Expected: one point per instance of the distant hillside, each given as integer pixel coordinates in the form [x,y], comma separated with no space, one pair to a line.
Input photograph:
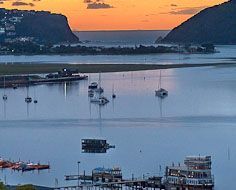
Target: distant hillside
[39,26]
[213,25]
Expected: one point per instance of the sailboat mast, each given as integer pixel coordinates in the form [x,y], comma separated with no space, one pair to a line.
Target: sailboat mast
[27,90]
[4,83]
[160,78]
[159,83]
[99,81]
[99,84]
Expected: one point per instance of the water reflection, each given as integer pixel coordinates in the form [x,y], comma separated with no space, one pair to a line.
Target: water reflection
[192,92]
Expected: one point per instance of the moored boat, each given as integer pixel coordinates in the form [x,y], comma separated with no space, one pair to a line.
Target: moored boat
[93,85]
[161,92]
[99,100]
[194,174]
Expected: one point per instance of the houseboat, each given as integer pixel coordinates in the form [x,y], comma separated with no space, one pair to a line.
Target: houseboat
[195,174]
[95,146]
[102,175]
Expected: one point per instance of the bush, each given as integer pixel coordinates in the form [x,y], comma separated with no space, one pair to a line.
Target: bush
[2,186]
[25,187]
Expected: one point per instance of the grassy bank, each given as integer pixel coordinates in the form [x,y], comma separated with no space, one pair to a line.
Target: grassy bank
[18,68]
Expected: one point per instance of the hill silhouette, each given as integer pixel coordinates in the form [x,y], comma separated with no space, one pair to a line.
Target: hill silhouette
[39,26]
[216,25]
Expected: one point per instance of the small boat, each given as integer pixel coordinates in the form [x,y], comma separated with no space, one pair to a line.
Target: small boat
[42,167]
[28,99]
[15,86]
[93,85]
[4,97]
[35,99]
[161,92]
[100,100]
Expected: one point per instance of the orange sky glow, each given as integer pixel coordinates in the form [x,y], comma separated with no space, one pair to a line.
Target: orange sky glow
[119,14]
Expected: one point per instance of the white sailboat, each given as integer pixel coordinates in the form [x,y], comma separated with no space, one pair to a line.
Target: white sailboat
[101,100]
[98,98]
[4,97]
[28,99]
[161,92]
[99,89]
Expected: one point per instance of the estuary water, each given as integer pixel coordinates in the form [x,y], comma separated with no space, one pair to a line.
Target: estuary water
[198,117]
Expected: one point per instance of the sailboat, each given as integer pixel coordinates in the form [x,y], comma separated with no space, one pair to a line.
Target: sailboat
[113,93]
[28,99]
[99,99]
[4,97]
[35,99]
[161,92]
[99,89]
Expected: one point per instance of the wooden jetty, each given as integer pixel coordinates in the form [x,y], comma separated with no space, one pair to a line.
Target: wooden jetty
[111,178]
[65,75]
[150,183]
[195,174]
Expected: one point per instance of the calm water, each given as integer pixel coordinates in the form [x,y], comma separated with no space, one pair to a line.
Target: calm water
[121,37]
[198,117]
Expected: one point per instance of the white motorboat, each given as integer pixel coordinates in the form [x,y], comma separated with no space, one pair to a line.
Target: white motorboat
[99,100]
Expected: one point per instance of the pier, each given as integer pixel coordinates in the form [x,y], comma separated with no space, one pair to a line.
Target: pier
[150,183]
[194,174]
[66,75]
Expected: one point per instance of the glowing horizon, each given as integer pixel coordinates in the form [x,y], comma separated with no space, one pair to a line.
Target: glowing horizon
[96,15]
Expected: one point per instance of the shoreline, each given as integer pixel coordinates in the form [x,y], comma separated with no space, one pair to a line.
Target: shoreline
[44,68]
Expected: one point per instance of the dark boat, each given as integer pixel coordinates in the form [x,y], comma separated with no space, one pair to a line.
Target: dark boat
[28,99]
[93,85]
[95,146]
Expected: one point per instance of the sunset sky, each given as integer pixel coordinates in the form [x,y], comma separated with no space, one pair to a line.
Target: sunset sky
[117,14]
